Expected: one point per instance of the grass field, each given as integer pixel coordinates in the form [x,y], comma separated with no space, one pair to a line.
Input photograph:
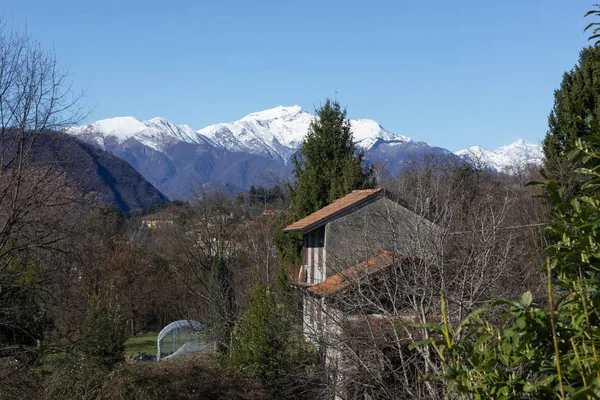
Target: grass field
[141,343]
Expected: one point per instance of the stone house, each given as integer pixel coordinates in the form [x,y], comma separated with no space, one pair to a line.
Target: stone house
[360,234]
[351,248]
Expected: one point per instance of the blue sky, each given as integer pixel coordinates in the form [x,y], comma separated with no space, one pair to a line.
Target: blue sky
[452,73]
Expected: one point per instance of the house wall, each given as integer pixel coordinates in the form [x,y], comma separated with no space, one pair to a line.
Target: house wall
[322,328]
[314,255]
[382,225]
[314,315]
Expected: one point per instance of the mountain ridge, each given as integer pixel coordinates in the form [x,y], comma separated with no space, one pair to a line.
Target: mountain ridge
[93,171]
[257,149]
[276,133]
[506,159]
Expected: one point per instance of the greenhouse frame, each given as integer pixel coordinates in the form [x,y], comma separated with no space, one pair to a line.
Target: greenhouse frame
[182,338]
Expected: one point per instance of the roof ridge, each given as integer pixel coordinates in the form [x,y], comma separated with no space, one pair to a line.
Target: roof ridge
[367,190]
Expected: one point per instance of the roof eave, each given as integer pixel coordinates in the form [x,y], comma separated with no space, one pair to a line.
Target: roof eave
[339,213]
[286,230]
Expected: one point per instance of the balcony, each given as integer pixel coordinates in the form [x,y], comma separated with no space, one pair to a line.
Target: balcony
[297,275]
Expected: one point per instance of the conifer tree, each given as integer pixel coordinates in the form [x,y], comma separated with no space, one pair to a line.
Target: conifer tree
[328,165]
[266,344]
[579,94]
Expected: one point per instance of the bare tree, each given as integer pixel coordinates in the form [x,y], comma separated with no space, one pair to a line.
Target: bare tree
[256,239]
[204,250]
[37,197]
[35,100]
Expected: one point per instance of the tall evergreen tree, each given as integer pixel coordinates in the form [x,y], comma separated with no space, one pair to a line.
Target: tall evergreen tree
[328,165]
[578,95]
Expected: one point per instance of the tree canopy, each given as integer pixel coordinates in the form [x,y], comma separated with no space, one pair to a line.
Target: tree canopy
[579,94]
[548,348]
[328,165]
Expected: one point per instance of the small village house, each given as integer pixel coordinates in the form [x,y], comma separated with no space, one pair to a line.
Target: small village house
[351,251]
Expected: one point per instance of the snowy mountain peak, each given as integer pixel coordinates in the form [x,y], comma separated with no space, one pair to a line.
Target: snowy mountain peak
[157,133]
[119,126]
[367,132]
[278,132]
[276,113]
[473,150]
[160,121]
[520,146]
[505,159]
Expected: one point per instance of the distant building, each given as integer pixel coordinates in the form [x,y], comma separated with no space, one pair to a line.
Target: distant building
[156,223]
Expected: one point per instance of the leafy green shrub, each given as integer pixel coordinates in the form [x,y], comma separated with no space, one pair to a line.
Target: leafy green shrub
[104,333]
[268,345]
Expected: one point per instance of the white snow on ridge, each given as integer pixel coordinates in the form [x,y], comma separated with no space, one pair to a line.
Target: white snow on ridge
[275,113]
[156,133]
[122,128]
[366,132]
[505,159]
[279,132]
[276,133]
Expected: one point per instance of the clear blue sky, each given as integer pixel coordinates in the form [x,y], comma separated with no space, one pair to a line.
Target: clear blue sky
[452,73]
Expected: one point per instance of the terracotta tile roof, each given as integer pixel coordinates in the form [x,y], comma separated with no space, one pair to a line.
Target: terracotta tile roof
[336,209]
[338,282]
[388,327]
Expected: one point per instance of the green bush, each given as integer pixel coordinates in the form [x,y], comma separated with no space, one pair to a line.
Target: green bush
[268,344]
[540,351]
[104,333]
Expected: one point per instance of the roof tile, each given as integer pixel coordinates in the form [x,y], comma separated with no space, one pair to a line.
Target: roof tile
[338,282]
[352,199]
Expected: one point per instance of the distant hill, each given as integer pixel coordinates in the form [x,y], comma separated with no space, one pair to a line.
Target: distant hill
[114,180]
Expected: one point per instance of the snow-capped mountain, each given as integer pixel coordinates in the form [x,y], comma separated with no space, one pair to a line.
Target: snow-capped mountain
[278,132]
[507,159]
[275,133]
[157,133]
[256,149]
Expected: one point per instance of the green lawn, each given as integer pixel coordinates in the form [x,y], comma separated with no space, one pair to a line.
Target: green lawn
[141,343]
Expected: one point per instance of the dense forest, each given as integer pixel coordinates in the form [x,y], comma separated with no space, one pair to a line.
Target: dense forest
[504,304]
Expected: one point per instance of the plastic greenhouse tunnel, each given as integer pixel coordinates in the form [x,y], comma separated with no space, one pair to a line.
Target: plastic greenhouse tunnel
[182,338]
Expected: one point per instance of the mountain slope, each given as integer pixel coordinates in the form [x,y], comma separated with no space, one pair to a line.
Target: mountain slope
[110,178]
[507,159]
[183,167]
[396,155]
